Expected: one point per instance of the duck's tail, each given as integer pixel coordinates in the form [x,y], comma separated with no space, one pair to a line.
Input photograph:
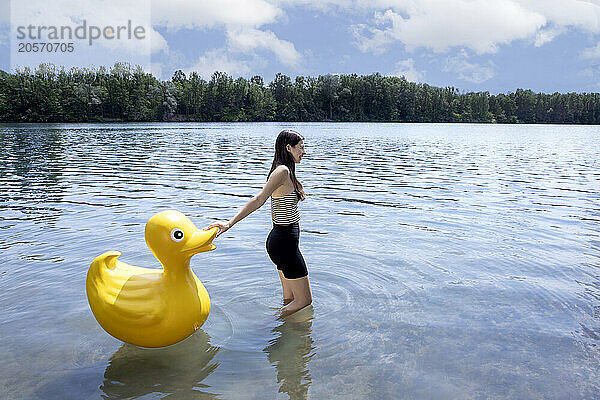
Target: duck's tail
[98,274]
[108,259]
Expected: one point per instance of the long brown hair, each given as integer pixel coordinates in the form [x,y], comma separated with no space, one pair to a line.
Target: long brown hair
[284,157]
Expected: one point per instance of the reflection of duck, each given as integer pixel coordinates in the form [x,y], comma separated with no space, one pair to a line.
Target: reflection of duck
[291,351]
[177,370]
[153,307]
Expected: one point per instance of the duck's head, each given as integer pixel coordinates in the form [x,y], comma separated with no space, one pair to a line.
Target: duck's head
[174,239]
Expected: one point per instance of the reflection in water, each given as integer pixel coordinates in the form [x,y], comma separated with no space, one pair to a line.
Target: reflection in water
[290,351]
[176,371]
[31,167]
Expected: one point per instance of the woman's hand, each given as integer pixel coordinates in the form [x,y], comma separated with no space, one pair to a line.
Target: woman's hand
[223,226]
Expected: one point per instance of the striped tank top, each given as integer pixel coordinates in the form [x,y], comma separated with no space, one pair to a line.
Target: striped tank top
[284,210]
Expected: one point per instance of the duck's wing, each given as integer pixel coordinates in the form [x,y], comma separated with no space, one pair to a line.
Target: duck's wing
[124,294]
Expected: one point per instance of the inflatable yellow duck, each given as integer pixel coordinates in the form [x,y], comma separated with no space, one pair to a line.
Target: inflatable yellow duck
[153,307]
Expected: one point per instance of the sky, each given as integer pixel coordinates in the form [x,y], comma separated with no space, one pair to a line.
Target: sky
[473,45]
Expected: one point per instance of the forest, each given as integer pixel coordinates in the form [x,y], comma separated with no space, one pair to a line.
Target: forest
[128,93]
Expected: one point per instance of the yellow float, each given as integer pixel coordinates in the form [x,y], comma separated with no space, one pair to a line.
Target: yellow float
[151,307]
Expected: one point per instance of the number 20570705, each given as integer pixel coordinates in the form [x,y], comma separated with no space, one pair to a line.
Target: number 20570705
[44,47]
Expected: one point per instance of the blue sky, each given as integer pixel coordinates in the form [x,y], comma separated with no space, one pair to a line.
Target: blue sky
[474,45]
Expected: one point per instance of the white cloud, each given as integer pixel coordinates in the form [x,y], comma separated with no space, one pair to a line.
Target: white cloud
[164,65]
[154,68]
[468,71]
[241,20]
[406,68]
[376,44]
[218,60]
[440,25]
[480,25]
[547,35]
[247,40]
[157,42]
[583,15]
[212,13]
[591,52]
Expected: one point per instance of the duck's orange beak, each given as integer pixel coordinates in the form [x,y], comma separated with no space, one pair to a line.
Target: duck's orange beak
[200,241]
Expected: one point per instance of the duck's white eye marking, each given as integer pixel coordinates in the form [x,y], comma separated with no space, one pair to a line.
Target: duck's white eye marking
[177,235]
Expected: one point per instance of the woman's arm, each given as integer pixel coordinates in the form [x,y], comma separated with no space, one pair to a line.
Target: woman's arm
[276,179]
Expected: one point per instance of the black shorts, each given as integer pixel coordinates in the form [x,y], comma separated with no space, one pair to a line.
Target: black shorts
[282,246]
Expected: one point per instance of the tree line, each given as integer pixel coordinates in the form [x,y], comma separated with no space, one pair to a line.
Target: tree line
[127,93]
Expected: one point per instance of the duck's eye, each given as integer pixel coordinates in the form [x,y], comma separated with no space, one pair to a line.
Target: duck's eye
[177,235]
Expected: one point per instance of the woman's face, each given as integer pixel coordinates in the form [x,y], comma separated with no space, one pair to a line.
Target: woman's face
[297,151]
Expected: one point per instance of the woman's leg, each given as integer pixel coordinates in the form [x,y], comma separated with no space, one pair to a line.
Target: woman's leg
[302,295]
[288,295]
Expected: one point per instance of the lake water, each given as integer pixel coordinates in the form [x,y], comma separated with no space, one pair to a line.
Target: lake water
[446,261]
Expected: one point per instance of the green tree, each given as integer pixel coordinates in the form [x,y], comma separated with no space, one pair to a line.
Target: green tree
[329,85]
[283,92]
[127,93]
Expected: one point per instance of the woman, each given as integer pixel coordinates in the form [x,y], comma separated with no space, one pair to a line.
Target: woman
[282,243]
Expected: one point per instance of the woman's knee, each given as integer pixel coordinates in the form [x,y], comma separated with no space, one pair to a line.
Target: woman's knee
[301,289]
[304,300]
[308,297]
[309,301]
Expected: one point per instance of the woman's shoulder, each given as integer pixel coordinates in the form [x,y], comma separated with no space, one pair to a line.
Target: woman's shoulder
[281,169]
[280,174]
